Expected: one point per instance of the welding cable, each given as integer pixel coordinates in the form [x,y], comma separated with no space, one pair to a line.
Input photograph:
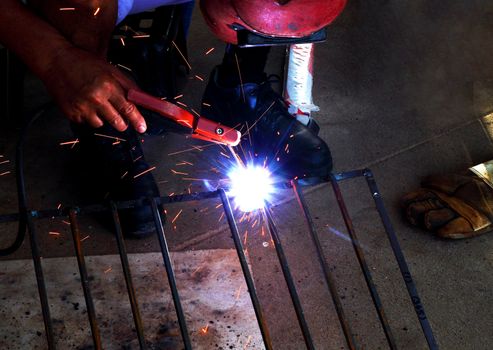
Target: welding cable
[19,176]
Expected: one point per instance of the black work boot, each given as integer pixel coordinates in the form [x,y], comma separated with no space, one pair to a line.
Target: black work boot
[119,167]
[276,139]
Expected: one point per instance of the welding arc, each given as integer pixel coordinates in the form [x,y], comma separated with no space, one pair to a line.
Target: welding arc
[19,173]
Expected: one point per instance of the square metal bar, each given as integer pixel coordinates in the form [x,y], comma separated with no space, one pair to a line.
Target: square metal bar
[84,280]
[329,279]
[171,274]
[246,270]
[128,276]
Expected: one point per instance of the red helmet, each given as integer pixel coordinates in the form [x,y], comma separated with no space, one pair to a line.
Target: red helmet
[269,18]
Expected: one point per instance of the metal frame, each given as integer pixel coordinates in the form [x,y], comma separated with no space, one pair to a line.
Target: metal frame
[73,213]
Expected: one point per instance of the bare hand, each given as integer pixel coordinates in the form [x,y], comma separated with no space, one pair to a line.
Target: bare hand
[90,90]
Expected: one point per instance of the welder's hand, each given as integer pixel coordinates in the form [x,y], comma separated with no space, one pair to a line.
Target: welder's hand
[90,90]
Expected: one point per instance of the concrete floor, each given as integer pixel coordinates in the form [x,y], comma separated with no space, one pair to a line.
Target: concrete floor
[405,89]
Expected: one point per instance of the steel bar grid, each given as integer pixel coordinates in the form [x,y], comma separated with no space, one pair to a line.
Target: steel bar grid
[156,204]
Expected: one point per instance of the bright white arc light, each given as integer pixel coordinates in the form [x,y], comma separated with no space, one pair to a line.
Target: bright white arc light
[250,187]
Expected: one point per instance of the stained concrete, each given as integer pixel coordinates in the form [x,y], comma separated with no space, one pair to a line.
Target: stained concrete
[404,88]
[214,294]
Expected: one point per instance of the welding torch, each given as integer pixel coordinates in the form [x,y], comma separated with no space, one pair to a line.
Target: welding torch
[199,127]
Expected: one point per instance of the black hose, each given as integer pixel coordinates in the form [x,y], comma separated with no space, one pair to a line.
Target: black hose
[19,177]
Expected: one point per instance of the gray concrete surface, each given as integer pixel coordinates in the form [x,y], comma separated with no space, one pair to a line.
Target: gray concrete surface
[404,88]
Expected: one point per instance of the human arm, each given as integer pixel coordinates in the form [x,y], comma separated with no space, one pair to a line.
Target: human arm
[86,87]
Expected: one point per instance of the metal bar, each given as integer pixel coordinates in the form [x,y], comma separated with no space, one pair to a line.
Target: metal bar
[289,279]
[91,312]
[362,262]
[43,296]
[246,270]
[401,261]
[171,274]
[350,340]
[128,276]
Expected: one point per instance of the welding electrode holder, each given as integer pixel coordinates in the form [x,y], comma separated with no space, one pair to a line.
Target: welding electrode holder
[199,127]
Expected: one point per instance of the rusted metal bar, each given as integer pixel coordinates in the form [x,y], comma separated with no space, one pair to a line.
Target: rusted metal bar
[171,274]
[401,261]
[329,279]
[128,276]
[364,266]
[246,270]
[289,279]
[38,269]
[91,312]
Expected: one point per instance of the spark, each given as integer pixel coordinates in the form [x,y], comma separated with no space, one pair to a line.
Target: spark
[109,137]
[205,329]
[238,293]
[139,157]
[262,232]
[200,149]
[242,218]
[97,11]
[199,77]
[69,142]
[206,104]
[139,36]
[86,237]
[195,271]
[184,59]
[255,223]
[59,206]
[178,172]
[66,222]
[287,147]
[124,174]
[188,163]
[193,179]
[181,104]
[250,128]
[219,206]
[245,237]
[144,172]
[67,8]
[172,193]
[54,233]
[209,51]
[183,121]
[225,155]
[116,143]
[249,136]
[5,173]
[177,97]
[108,269]
[241,80]
[291,136]
[203,210]
[176,217]
[123,41]
[220,217]
[124,67]
[195,112]
[248,342]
